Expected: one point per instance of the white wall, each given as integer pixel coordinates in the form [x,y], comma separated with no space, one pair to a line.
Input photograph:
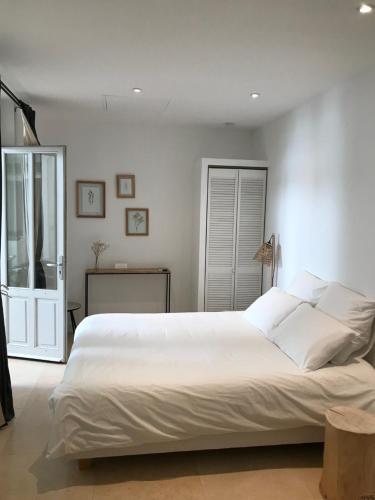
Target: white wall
[164,162]
[321,198]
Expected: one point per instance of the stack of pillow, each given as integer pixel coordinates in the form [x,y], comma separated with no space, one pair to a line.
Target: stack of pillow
[315,322]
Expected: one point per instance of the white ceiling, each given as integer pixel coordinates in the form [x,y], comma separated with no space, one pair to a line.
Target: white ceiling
[197,60]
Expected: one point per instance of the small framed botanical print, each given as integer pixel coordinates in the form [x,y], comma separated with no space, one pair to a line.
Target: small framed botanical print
[136,221]
[125,186]
[90,199]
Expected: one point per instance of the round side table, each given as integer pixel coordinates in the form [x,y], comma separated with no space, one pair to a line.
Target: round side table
[349,455]
[73,306]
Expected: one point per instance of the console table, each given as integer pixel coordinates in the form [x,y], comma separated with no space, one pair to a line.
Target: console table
[130,271]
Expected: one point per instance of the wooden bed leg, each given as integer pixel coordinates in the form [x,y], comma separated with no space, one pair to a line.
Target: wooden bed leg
[84,463]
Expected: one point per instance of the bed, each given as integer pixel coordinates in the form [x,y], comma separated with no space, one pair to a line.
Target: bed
[150,383]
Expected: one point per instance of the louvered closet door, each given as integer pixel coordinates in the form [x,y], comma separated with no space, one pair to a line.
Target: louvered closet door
[221,237]
[250,229]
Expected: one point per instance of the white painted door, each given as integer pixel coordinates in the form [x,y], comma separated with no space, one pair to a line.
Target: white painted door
[221,238]
[33,252]
[249,238]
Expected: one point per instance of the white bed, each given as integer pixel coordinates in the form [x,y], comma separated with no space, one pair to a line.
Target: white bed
[147,383]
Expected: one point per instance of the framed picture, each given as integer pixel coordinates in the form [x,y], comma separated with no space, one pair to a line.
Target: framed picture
[125,186]
[136,221]
[90,199]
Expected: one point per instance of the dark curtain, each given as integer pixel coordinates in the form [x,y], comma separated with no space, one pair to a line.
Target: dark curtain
[6,397]
[5,385]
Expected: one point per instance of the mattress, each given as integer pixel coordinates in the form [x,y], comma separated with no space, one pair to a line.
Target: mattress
[149,381]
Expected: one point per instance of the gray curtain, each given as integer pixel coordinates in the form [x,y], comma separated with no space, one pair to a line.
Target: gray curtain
[40,277]
[30,137]
[6,396]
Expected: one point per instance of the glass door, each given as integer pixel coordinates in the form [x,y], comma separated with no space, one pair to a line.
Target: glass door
[33,252]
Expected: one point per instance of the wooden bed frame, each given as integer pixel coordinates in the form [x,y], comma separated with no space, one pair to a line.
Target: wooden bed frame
[84,463]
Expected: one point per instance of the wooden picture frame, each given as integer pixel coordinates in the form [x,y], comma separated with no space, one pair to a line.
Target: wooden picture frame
[123,183]
[134,227]
[90,199]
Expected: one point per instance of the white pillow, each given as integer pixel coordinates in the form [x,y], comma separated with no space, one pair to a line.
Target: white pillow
[352,351]
[271,309]
[353,310]
[310,337]
[308,287]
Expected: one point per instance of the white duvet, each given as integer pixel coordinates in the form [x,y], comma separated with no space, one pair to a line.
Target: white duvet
[138,379]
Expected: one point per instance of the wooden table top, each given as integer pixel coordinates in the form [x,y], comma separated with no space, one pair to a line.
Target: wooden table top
[129,270]
[351,420]
[73,306]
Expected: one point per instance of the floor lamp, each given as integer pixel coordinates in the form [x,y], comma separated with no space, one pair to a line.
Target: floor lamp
[266,255]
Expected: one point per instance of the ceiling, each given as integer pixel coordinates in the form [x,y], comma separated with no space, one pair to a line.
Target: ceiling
[196,60]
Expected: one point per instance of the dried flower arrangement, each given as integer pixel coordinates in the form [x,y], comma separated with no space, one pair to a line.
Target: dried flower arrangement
[98,247]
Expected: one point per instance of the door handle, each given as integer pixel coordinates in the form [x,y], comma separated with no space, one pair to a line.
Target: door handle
[59,265]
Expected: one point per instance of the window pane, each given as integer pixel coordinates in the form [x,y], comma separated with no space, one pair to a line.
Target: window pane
[45,239]
[16,172]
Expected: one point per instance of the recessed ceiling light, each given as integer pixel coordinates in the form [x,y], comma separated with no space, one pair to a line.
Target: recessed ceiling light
[254,95]
[137,90]
[365,8]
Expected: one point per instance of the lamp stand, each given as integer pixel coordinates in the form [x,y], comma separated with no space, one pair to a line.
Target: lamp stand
[273,265]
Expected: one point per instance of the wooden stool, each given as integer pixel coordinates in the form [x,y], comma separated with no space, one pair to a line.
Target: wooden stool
[349,455]
[73,306]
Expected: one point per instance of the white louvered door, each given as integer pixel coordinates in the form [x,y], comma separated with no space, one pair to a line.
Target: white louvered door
[250,234]
[235,226]
[221,238]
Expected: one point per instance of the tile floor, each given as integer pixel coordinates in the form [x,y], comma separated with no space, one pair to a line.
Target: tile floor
[271,473]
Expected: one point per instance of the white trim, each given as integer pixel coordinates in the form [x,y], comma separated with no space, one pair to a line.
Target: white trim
[225,162]
[205,163]
[41,357]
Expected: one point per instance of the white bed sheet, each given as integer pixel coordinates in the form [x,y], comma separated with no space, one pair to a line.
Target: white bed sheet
[139,379]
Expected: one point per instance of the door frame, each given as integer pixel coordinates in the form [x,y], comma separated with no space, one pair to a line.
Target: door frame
[59,150]
[204,165]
